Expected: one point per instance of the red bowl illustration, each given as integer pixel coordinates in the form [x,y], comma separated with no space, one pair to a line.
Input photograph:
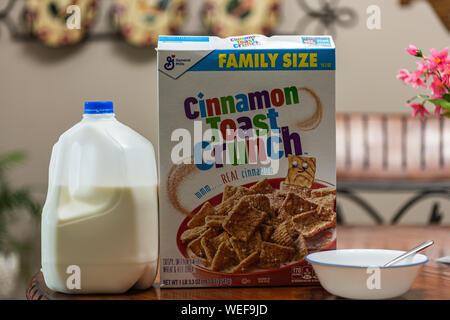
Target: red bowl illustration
[297,273]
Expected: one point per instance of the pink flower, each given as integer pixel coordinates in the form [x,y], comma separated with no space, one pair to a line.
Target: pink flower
[438,91]
[438,60]
[437,110]
[445,68]
[436,68]
[438,88]
[446,75]
[416,81]
[413,50]
[412,78]
[403,75]
[422,69]
[419,109]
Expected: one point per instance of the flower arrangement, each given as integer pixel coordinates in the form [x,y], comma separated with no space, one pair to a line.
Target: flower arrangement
[432,73]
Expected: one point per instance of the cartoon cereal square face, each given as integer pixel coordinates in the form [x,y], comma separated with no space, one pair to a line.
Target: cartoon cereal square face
[301,171]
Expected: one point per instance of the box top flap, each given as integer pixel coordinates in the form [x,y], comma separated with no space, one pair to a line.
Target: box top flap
[246,42]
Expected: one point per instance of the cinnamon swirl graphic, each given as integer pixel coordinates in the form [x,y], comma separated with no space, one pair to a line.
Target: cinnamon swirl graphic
[177,174]
[312,122]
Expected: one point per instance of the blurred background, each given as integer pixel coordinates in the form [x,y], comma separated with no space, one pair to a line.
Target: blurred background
[391,168]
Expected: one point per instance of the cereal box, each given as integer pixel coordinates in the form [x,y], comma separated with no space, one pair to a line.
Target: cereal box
[246,158]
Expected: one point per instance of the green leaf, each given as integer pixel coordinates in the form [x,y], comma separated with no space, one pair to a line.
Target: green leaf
[412,99]
[446,97]
[11,158]
[419,96]
[440,102]
[444,103]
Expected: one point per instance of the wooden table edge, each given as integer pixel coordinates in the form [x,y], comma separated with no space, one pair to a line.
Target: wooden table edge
[432,283]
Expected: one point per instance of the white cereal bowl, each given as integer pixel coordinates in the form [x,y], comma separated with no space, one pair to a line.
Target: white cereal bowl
[358,273]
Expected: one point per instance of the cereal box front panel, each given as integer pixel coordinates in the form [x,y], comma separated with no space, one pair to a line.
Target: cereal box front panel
[247,159]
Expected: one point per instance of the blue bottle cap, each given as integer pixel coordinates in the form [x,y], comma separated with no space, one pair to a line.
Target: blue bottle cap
[98,107]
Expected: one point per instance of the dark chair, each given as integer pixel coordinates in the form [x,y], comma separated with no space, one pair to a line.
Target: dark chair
[392,152]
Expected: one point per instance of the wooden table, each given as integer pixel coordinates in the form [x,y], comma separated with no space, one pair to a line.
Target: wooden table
[432,283]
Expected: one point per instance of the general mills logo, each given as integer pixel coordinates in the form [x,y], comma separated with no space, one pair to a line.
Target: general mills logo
[170,64]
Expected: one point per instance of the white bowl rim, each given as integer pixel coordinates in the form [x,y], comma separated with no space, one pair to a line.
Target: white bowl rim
[311,259]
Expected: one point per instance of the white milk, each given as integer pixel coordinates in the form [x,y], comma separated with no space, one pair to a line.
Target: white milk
[100,219]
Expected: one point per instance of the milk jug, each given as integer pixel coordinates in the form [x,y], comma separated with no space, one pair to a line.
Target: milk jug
[100,219]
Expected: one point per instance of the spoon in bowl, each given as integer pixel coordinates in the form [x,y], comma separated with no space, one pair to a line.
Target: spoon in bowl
[420,247]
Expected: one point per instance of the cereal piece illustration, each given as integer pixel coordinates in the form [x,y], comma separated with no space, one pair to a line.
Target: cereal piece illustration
[214,221]
[258,201]
[246,263]
[326,202]
[193,233]
[319,240]
[293,204]
[196,247]
[302,250]
[229,203]
[261,227]
[244,248]
[199,218]
[266,231]
[228,192]
[211,245]
[210,233]
[225,257]
[301,171]
[322,192]
[285,234]
[243,220]
[300,191]
[276,200]
[262,187]
[273,255]
[312,222]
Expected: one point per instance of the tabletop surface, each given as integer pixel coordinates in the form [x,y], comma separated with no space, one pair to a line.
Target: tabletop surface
[433,281]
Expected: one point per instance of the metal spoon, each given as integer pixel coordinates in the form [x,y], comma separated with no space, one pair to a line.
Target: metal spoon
[420,247]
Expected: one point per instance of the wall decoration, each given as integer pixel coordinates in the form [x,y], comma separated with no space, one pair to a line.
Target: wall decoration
[224,18]
[141,21]
[324,16]
[441,7]
[46,20]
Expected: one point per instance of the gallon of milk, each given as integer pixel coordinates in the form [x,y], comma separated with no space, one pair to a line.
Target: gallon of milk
[100,219]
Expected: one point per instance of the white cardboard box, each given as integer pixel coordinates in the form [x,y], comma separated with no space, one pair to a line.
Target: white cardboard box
[280,91]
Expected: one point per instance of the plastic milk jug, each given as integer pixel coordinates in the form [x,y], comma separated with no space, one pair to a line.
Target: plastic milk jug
[100,219]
